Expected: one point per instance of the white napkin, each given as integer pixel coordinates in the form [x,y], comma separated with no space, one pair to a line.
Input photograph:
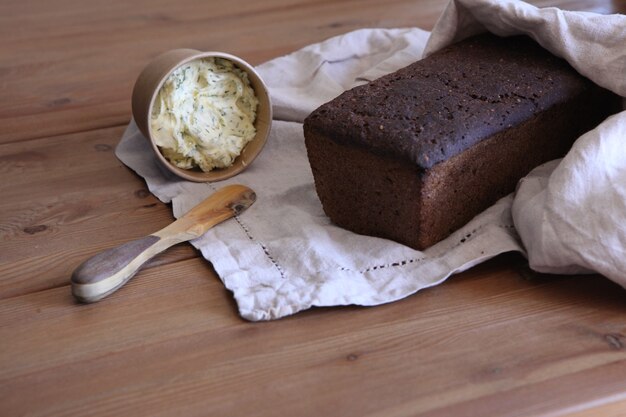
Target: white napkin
[282,255]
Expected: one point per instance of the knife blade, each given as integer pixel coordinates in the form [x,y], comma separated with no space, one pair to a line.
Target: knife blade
[109,270]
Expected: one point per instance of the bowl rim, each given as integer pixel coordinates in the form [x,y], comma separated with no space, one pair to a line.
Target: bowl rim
[263,96]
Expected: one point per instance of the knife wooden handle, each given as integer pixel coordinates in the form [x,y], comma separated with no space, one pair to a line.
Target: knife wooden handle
[107,271]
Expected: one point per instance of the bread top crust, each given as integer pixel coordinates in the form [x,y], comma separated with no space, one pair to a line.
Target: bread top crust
[440,106]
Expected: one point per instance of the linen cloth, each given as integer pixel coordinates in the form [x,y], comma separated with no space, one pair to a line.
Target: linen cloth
[283,255]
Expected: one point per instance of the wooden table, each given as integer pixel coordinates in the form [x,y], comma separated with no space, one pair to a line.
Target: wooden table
[497,340]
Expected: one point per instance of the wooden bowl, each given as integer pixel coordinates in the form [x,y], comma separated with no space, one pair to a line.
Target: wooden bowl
[148,85]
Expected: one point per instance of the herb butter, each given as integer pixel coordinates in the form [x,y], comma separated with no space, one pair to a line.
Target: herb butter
[204,114]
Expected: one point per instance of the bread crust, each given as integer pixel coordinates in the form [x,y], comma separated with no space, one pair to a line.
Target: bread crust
[416,154]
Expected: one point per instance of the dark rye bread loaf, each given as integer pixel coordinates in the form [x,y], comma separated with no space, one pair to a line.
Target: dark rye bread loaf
[416,154]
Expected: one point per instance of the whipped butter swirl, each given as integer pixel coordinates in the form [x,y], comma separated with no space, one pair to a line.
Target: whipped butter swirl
[204,114]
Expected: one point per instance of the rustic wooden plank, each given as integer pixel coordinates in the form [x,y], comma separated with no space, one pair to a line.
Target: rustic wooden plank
[489,341]
[66,198]
[612,409]
[68,66]
[127,37]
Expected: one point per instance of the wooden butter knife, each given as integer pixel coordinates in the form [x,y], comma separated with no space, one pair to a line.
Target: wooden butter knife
[107,271]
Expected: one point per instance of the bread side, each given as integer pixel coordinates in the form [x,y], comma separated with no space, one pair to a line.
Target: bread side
[416,154]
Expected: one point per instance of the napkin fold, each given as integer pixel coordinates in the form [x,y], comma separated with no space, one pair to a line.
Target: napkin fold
[283,255]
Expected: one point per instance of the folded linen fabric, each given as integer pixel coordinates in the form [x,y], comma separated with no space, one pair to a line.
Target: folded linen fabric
[283,255]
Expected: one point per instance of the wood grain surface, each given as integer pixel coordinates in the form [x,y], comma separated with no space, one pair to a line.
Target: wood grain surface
[497,340]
